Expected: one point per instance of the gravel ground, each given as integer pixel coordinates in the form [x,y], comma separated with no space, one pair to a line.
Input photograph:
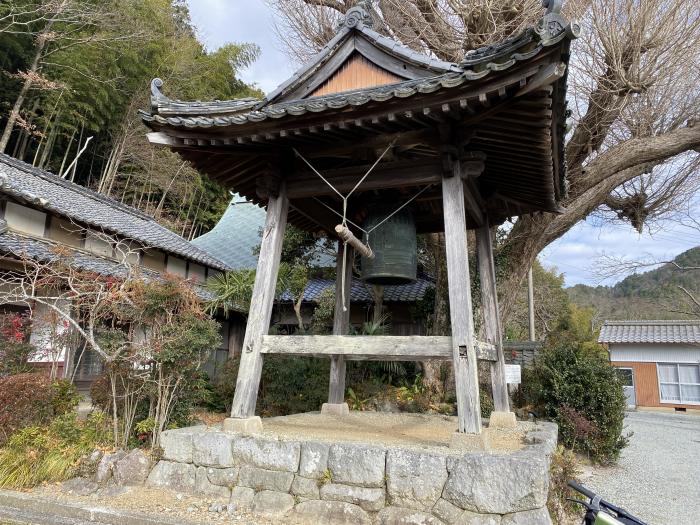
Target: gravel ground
[658,476]
[153,501]
[385,428]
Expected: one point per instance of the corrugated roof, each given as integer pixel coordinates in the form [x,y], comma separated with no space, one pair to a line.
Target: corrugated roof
[52,193]
[237,234]
[678,332]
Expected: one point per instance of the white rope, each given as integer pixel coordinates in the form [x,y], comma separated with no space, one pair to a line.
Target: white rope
[344,215]
[371,168]
[317,173]
[397,210]
[338,214]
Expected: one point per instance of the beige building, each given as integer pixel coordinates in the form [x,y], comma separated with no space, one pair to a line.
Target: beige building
[659,362]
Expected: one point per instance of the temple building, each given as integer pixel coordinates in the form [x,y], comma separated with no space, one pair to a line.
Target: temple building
[372,143]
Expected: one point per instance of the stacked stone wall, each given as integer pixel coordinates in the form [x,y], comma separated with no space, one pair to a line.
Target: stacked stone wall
[318,482]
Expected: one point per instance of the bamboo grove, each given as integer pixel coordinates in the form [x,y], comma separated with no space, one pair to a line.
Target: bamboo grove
[73,74]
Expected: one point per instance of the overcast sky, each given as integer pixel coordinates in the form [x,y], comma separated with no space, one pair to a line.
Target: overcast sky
[575,254]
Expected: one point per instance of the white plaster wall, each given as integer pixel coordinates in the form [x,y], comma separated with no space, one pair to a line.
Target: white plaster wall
[25,220]
[46,326]
[196,273]
[98,245]
[177,266]
[654,353]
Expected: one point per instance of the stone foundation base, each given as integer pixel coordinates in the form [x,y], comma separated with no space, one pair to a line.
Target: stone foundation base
[335,409]
[303,480]
[469,442]
[247,425]
[502,420]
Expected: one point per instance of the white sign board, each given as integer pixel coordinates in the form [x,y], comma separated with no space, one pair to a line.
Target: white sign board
[513,374]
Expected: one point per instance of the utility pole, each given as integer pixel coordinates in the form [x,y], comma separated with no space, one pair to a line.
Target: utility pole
[531,303]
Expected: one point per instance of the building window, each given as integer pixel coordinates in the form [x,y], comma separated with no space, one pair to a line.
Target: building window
[626,376]
[679,383]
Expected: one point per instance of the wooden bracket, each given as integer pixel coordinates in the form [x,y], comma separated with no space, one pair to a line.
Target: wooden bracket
[448,155]
[472,164]
[267,185]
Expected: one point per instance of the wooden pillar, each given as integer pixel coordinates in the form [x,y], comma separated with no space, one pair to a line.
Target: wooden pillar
[261,304]
[492,320]
[341,322]
[463,352]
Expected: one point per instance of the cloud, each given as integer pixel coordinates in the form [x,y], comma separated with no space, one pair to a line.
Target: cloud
[575,254]
[223,21]
[578,251]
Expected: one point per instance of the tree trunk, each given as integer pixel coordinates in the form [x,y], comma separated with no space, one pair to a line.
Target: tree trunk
[621,163]
[436,372]
[12,118]
[297,312]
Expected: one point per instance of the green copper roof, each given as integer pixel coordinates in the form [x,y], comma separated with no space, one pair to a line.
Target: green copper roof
[236,236]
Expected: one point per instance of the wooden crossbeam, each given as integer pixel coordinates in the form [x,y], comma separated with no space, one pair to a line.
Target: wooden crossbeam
[371,347]
[396,174]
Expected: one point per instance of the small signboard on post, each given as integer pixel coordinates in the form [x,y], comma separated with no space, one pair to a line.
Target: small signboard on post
[513,374]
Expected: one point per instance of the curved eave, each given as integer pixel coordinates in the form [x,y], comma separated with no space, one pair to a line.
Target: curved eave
[216,114]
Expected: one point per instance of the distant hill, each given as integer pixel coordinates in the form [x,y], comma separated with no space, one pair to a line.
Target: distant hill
[649,295]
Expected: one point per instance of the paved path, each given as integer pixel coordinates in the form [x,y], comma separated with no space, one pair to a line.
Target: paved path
[658,475]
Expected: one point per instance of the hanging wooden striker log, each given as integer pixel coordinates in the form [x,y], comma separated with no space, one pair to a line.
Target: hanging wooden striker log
[395,249]
[346,235]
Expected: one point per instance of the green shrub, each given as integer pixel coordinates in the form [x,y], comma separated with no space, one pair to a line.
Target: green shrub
[289,385]
[31,400]
[14,358]
[564,467]
[65,397]
[51,452]
[575,385]
[485,401]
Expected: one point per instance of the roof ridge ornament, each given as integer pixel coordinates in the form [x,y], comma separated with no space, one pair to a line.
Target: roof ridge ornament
[553,27]
[359,15]
[553,6]
[156,94]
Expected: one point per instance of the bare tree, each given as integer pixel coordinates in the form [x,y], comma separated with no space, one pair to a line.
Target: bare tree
[634,89]
[79,300]
[686,221]
[149,330]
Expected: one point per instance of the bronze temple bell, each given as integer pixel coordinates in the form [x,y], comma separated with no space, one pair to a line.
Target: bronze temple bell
[394,246]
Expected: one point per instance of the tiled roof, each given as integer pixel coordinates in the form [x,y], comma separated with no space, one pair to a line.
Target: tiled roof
[359,293]
[45,251]
[681,332]
[236,112]
[52,193]
[477,64]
